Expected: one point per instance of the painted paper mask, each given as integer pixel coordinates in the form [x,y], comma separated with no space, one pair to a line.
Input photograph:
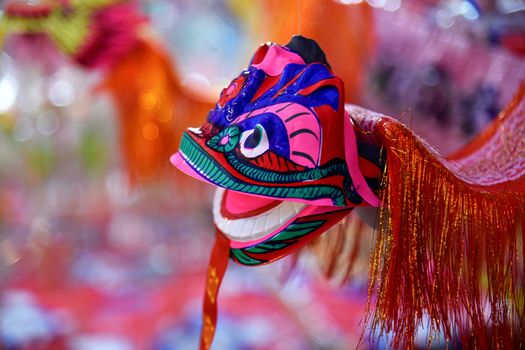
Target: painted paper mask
[283,153]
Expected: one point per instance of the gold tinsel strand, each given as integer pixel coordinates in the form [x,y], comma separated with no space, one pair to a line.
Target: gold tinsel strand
[446,248]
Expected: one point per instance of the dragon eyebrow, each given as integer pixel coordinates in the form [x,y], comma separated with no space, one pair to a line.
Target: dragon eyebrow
[304,155]
[295,116]
[249,114]
[304,131]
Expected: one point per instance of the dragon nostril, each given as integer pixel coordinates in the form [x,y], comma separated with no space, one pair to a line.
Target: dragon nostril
[225,140]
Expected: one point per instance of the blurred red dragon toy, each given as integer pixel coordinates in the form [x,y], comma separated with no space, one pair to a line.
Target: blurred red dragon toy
[110,35]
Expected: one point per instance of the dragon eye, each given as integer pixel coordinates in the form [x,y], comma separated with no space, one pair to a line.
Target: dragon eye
[254,142]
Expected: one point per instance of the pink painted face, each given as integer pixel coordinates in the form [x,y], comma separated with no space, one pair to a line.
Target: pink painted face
[274,145]
[301,133]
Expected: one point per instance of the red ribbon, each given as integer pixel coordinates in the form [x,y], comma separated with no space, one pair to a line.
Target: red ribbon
[216,269]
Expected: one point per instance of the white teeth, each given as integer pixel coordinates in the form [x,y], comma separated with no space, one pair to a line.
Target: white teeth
[254,227]
[220,225]
[272,220]
[283,214]
[260,223]
[227,225]
[280,214]
[237,225]
[248,228]
[217,198]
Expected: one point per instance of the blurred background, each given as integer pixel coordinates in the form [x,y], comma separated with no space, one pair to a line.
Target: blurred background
[104,246]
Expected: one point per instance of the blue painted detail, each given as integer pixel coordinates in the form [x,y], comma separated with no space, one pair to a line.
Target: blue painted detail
[304,75]
[275,129]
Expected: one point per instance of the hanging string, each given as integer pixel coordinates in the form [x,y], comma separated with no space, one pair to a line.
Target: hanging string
[299,16]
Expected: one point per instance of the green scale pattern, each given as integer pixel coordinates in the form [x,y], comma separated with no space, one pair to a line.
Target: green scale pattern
[212,170]
[281,240]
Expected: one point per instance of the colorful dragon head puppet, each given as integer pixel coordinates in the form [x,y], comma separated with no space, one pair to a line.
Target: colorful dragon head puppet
[285,157]
[289,163]
[283,153]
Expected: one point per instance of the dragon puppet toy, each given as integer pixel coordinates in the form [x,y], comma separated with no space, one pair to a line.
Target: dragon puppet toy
[112,36]
[289,162]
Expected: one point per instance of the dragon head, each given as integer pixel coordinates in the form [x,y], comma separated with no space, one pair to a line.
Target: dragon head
[282,152]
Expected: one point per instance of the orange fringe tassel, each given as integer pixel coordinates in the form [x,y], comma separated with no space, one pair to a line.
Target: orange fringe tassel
[447,249]
[342,252]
